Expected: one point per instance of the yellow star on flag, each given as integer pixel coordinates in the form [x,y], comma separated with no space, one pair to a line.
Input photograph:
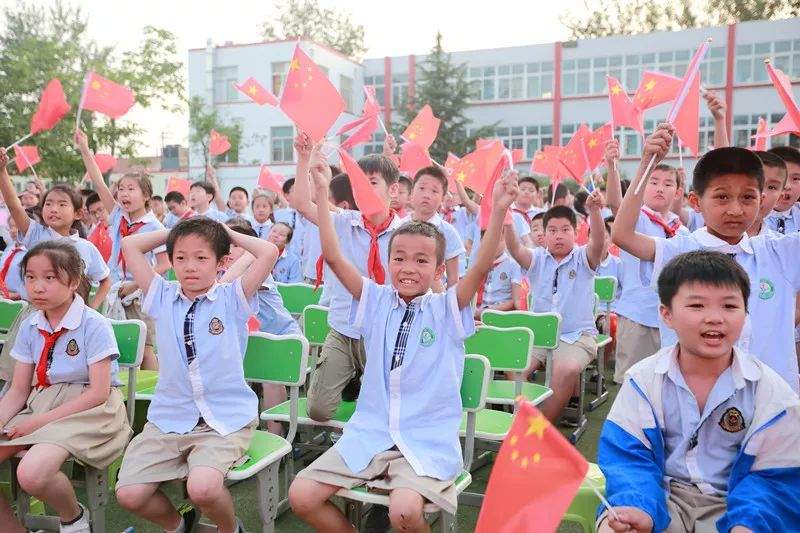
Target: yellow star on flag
[252,90]
[615,90]
[294,65]
[537,425]
[461,176]
[592,142]
[96,85]
[649,85]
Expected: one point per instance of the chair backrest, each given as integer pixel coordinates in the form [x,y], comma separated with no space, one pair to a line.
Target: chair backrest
[130,336]
[605,287]
[9,312]
[546,327]
[315,324]
[170,275]
[475,382]
[506,349]
[278,359]
[296,296]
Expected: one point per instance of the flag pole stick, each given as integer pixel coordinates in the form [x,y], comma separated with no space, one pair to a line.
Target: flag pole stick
[645,175]
[614,162]
[553,185]
[380,121]
[28,162]
[680,153]
[22,139]
[602,498]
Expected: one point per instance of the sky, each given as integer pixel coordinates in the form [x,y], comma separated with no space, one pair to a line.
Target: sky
[391,28]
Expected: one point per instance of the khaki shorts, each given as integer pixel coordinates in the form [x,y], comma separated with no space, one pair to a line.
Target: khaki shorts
[154,456]
[341,361]
[583,351]
[134,312]
[387,471]
[634,343]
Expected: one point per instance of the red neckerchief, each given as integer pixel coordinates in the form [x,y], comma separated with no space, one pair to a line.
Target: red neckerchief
[523,213]
[448,215]
[50,340]
[186,214]
[4,271]
[670,230]
[126,229]
[374,266]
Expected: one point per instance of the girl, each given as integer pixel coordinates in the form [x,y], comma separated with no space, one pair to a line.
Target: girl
[262,213]
[287,268]
[68,351]
[129,215]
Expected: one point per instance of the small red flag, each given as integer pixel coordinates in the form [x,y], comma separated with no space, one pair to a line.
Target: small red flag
[25,156]
[412,158]
[486,200]
[101,239]
[688,84]
[367,200]
[655,88]
[268,180]
[423,128]
[572,156]
[687,119]
[256,92]
[535,477]
[475,169]
[179,185]
[218,143]
[52,107]
[309,98]
[790,123]
[449,165]
[596,145]
[623,111]
[105,96]
[760,136]
[364,126]
[105,161]
[546,161]
[517,154]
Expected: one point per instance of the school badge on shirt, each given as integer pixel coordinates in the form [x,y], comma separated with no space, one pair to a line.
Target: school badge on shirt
[427,337]
[215,327]
[766,289]
[72,348]
[732,420]
[573,274]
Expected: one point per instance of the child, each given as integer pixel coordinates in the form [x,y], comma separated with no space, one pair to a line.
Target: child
[561,278]
[158,208]
[785,218]
[201,193]
[98,232]
[287,268]
[203,413]
[262,214]
[415,453]
[129,215]
[775,177]
[529,195]
[537,230]
[399,201]
[637,309]
[292,217]
[728,183]
[501,288]
[702,436]
[178,209]
[28,199]
[69,352]
[427,196]
[11,283]
[563,196]
[610,265]
[238,198]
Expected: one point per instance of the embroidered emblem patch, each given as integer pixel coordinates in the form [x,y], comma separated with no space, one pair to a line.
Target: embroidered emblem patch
[573,274]
[215,327]
[72,348]
[766,289]
[427,337]
[732,420]
[503,276]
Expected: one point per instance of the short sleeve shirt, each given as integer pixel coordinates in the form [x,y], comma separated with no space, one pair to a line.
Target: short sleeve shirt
[95,267]
[149,223]
[287,268]
[504,273]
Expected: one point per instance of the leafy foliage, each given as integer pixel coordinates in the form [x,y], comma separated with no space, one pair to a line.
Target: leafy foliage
[202,120]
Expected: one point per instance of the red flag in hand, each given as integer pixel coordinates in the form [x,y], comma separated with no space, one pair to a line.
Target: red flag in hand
[105,161]
[256,92]
[760,136]
[485,213]
[107,97]
[449,165]
[412,158]
[52,107]
[535,477]
[25,156]
[475,169]
[268,180]
[180,185]
[547,161]
[655,88]
[790,123]
[367,200]
[572,155]
[623,111]
[364,126]
[423,128]
[309,98]
[688,117]
[596,145]
[218,144]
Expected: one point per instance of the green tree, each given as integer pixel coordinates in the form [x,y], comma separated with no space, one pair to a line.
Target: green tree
[444,86]
[202,120]
[40,43]
[309,20]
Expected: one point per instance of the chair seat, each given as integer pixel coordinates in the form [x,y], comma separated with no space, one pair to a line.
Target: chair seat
[145,380]
[489,424]
[602,340]
[361,493]
[280,413]
[501,391]
[145,393]
[265,448]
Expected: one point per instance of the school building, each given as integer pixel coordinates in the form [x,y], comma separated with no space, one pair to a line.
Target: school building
[537,94]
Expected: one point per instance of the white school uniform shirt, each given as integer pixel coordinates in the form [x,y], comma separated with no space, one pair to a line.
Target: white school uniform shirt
[566,288]
[638,301]
[771,265]
[95,267]
[262,228]
[503,273]
[411,346]
[214,214]
[151,223]
[286,215]
[88,340]
[14,281]
[520,226]
[231,214]
[287,268]
[272,315]
[788,221]
[453,247]
[354,241]
[462,220]
[696,220]
[200,354]
[532,211]
[312,249]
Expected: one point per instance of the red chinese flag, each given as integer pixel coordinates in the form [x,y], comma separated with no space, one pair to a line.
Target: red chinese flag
[687,119]
[365,125]
[52,107]
[623,111]
[309,98]
[534,479]
[105,161]
[783,85]
[449,165]
[268,180]
[546,161]
[367,200]
[256,92]
[486,200]
[423,128]
[760,136]
[475,169]
[412,158]
[656,88]
[218,143]
[596,145]
[25,156]
[516,155]
[107,97]
[572,156]
[179,185]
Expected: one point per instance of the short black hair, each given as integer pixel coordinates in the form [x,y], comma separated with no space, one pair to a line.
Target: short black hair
[241,225]
[174,196]
[86,193]
[538,216]
[531,180]
[156,198]
[402,180]
[560,211]
[205,228]
[434,172]
[424,229]
[206,186]
[380,164]
[287,185]
[580,202]
[727,160]
[768,159]
[242,189]
[789,154]
[92,199]
[705,267]
[342,191]
[561,192]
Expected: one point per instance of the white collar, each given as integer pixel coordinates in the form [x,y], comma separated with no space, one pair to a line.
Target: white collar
[394,224]
[147,218]
[71,319]
[565,259]
[743,366]
[784,214]
[73,236]
[714,243]
[420,300]
[211,294]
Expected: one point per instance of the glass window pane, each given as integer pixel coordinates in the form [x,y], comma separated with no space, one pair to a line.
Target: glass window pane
[665,56]
[568,82]
[517,88]
[569,64]
[533,67]
[474,72]
[546,130]
[716,73]
[760,73]
[517,69]
[717,52]
[534,89]
[547,66]
[600,62]
[584,63]
[503,70]
[615,61]
[744,49]
[583,83]
[547,85]
[488,89]
[503,89]
[632,77]
[743,74]
[517,130]
[682,55]
[488,71]
[632,60]
[599,84]
[648,59]
[762,48]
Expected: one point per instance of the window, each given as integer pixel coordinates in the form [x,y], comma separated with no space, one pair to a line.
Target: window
[346,90]
[750,60]
[744,127]
[537,137]
[377,82]
[567,131]
[281,142]
[278,76]
[224,78]
[516,81]
[399,89]
[706,135]
[540,79]
[375,144]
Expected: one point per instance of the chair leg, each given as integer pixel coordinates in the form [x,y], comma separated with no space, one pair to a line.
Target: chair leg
[97,497]
[580,414]
[268,496]
[353,511]
[447,522]
[600,394]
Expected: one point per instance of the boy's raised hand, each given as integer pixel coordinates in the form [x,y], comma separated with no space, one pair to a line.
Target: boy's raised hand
[505,190]
[303,146]
[594,202]
[658,143]
[318,167]
[389,145]
[81,140]
[715,105]
[611,153]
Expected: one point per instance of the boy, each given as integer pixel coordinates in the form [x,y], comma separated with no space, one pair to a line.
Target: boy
[501,289]
[201,193]
[537,230]
[399,201]
[178,209]
[203,413]
[561,278]
[728,183]
[529,196]
[238,198]
[158,208]
[785,218]
[292,217]
[287,268]
[427,196]
[563,195]
[98,233]
[702,436]
[413,336]
[775,176]
[637,308]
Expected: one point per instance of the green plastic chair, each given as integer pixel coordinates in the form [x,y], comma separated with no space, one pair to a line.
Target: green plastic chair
[169,275]
[315,329]
[583,508]
[296,296]
[605,290]
[10,311]
[474,386]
